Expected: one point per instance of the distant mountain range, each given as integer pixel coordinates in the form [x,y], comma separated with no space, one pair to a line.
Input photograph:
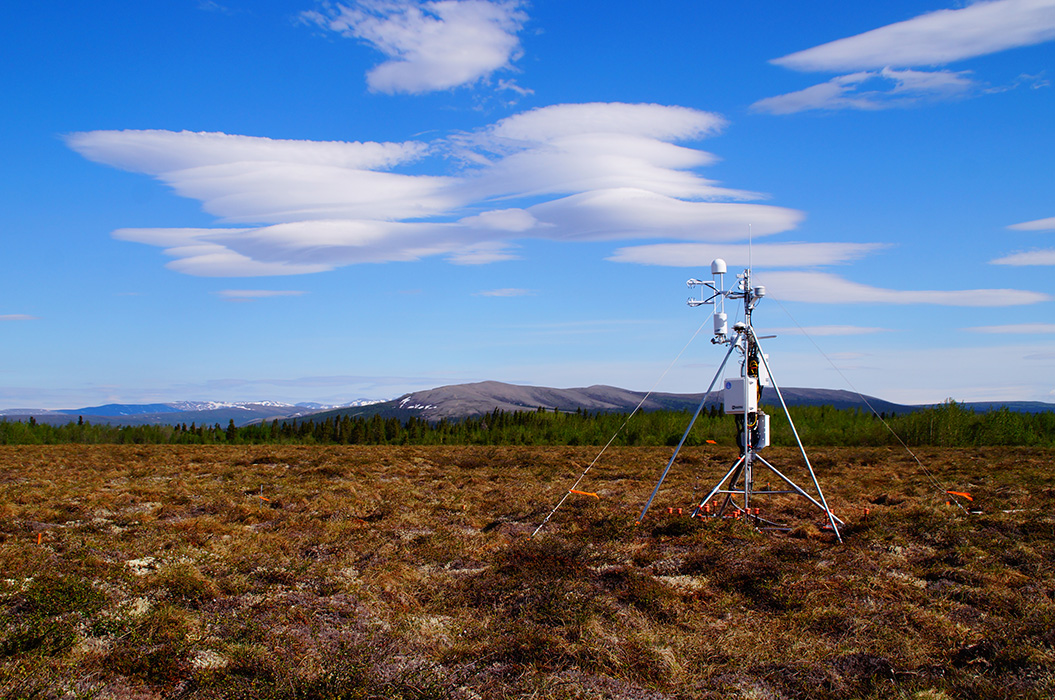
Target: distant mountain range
[200,412]
[461,401]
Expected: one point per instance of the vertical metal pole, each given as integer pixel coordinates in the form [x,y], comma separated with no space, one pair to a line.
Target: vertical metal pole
[746,373]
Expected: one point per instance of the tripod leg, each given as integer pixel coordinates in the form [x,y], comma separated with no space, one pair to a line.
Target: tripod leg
[732,484]
[813,475]
[686,435]
[716,488]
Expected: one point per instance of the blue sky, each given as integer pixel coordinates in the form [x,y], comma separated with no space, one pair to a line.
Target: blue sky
[322,201]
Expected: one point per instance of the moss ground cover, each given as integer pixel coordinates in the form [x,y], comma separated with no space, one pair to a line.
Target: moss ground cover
[409,572]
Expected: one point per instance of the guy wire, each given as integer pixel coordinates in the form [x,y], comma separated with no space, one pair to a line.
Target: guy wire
[619,430]
[934,481]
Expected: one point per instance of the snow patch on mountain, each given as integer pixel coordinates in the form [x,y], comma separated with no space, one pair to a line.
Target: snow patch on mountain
[309,406]
[188,406]
[405,404]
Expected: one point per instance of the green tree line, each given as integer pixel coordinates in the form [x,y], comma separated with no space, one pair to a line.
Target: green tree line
[947,425]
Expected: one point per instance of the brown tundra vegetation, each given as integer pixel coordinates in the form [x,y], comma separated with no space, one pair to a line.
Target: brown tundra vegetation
[410,572]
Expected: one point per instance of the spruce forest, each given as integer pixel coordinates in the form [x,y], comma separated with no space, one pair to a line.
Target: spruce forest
[946,425]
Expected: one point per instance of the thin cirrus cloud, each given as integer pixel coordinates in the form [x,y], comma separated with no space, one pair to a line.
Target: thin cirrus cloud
[18,317]
[824,287]
[877,65]
[430,46]
[872,90]
[1016,329]
[574,172]
[254,294]
[809,285]
[1042,256]
[1038,256]
[764,255]
[506,292]
[1037,225]
[832,330]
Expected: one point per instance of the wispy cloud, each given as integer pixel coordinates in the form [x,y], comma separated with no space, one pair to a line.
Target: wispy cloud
[507,292]
[763,255]
[826,288]
[483,254]
[18,317]
[430,45]
[1016,329]
[212,6]
[254,294]
[819,331]
[1037,225]
[933,39]
[584,172]
[873,90]
[1040,256]
[1036,256]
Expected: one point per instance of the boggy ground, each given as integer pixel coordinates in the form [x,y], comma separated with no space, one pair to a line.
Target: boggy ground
[390,572]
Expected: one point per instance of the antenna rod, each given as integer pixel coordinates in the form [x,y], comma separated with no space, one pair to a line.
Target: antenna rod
[750,249]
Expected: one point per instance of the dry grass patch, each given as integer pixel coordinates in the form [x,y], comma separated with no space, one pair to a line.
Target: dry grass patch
[364,572]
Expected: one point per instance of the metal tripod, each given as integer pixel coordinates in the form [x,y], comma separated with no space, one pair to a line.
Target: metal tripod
[737,487]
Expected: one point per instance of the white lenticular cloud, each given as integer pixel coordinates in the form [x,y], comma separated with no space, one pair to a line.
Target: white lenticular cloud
[626,213]
[572,173]
[251,180]
[826,288]
[564,149]
[645,120]
[771,255]
[197,254]
[430,45]
[935,38]
[880,66]
[155,151]
[510,220]
[1038,225]
[1043,256]
[592,172]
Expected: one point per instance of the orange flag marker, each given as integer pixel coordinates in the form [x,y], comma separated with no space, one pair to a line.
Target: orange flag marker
[961,493]
[585,493]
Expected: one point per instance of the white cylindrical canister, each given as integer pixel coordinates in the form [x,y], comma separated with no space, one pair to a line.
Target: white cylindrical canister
[721,324]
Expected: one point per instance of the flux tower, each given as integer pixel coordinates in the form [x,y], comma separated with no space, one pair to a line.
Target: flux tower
[736,491]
